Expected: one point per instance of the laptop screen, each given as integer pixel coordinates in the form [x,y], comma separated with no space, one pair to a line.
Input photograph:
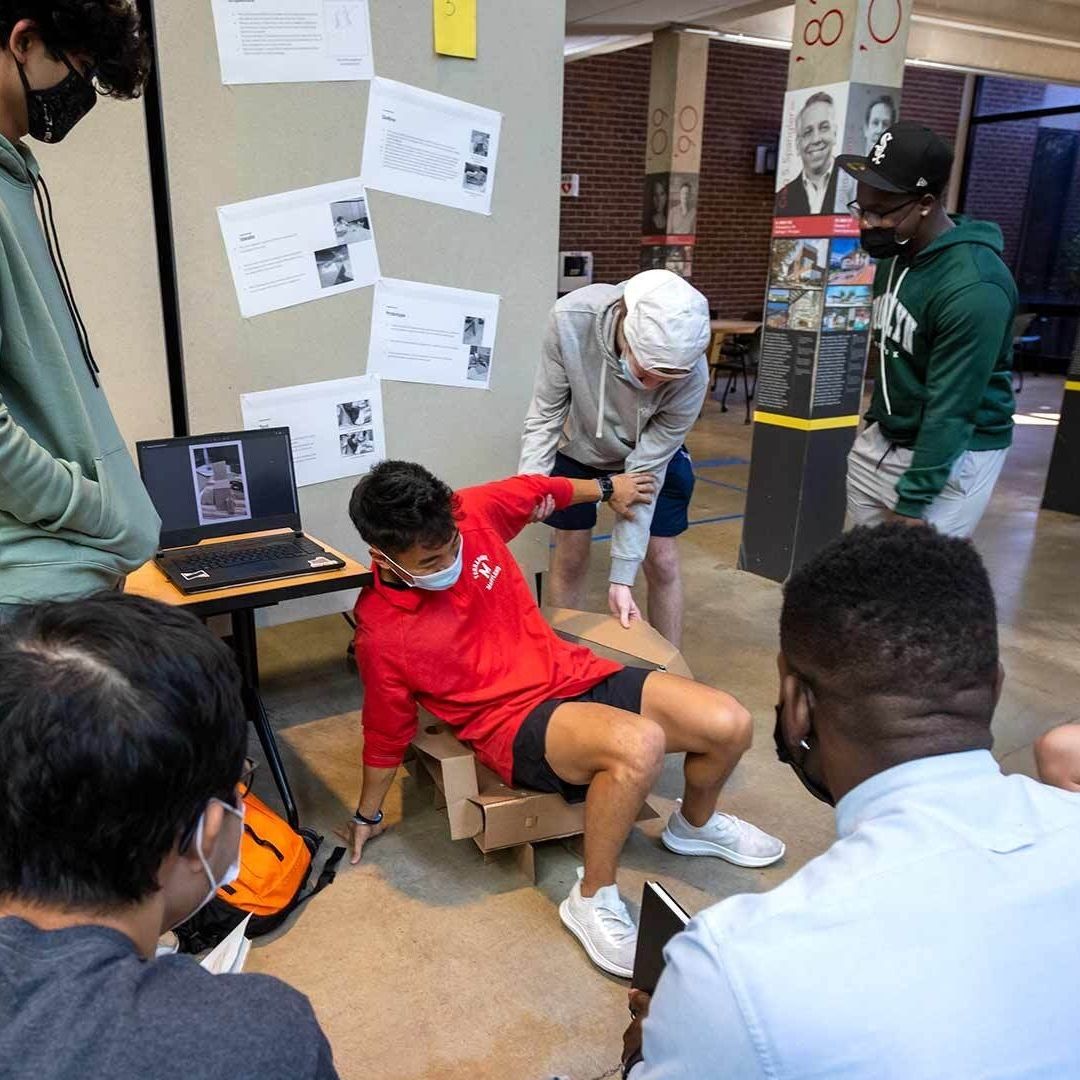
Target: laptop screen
[205,486]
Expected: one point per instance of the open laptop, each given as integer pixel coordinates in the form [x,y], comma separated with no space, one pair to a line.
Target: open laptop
[206,486]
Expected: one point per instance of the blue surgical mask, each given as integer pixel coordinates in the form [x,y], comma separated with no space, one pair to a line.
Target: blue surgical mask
[628,374]
[440,580]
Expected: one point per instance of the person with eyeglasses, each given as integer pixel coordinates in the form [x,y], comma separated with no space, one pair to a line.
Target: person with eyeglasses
[940,421]
[621,381]
[122,776]
[450,625]
[936,937]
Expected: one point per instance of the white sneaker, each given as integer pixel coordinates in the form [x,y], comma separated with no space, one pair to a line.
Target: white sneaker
[723,835]
[603,926]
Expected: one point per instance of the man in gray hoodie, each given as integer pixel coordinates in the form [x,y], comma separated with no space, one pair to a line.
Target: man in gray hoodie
[74,516]
[621,381]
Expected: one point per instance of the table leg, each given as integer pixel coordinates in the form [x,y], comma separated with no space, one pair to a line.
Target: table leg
[247,656]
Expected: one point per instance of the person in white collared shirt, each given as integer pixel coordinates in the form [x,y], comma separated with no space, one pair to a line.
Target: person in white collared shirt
[936,938]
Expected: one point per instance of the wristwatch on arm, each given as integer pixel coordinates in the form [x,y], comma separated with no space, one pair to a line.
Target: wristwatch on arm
[607,488]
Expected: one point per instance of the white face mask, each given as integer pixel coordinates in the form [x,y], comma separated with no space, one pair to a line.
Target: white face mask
[439,580]
[232,872]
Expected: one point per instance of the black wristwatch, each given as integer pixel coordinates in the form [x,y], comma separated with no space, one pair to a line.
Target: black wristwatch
[607,488]
[359,818]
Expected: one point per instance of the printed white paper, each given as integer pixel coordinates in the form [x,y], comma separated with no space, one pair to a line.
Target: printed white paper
[430,147]
[229,955]
[264,41]
[336,427]
[432,334]
[299,246]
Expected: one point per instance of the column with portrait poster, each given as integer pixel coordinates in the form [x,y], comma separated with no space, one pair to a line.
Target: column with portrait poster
[673,151]
[844,78]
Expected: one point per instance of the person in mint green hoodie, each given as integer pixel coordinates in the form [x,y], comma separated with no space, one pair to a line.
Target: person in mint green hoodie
[74,516]
[940,421]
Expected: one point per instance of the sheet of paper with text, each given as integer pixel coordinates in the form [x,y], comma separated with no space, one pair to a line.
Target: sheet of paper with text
[336,427]
[430,147]
[299,246]
[432,334]
[265,41]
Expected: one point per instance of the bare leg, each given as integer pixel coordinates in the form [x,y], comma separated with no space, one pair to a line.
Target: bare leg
[619,755]
[569,565]
[664,575]
[1057,754]
[710,726]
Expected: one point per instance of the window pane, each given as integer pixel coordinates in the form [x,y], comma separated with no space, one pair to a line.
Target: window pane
[1015,95]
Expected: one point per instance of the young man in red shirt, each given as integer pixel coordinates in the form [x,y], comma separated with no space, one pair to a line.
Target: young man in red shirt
[450,625]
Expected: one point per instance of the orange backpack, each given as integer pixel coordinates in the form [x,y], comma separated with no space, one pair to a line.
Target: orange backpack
[275,866]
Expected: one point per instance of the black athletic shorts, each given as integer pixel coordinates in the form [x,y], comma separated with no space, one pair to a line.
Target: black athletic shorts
[671,516]
[622,690]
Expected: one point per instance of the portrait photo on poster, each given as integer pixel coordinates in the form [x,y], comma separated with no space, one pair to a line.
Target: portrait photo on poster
[220,481]
[810,140]
[654,211]
[353,414]
[871,111]
[682,203]
[351,222]
[798,261]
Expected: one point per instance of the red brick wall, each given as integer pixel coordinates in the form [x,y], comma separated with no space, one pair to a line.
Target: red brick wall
[604,118]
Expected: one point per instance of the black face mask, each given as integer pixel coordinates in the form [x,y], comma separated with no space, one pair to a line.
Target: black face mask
[815,787]
[881,243]
[52,113]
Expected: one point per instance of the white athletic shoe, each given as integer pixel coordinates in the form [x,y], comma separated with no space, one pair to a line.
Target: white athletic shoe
[725,836]
[603,926]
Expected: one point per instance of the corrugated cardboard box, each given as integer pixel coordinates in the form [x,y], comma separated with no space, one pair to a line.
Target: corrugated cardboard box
[497,817]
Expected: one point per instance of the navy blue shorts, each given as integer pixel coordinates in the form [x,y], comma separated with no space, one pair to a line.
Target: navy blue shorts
[672,515]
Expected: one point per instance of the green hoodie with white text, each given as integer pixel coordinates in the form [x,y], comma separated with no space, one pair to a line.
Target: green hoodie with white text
[943,325]
[74,515]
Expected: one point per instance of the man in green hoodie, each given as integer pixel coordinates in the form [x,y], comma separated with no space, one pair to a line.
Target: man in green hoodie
[74,516]
[940,421]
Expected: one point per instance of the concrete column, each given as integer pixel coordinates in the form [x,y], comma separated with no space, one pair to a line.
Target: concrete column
[673,150]
[1062,486]
[844,77]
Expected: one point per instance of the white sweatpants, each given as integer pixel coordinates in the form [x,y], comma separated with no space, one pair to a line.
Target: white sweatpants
[874,467]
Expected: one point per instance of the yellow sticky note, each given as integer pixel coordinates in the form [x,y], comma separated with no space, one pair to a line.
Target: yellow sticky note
[455,27]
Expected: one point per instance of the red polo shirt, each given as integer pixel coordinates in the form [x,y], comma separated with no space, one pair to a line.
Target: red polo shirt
[479,656]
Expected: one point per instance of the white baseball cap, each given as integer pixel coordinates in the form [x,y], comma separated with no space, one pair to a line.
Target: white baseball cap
[667,322]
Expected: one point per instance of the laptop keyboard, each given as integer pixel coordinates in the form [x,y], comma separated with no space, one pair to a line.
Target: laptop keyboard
[239,556]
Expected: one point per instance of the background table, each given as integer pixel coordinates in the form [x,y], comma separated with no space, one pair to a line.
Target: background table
[240,603]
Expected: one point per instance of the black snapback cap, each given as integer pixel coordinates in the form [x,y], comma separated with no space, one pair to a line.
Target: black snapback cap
[908,159]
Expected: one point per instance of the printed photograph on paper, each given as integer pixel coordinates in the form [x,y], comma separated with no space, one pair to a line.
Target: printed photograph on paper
[480,142]
[479,364]
[220,480]
[798,261]
[352,414]
[334,266]
[475,177]
[849,264]
[351,222]
[357,443]
[474,330]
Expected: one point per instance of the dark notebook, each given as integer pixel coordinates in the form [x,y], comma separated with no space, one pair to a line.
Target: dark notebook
[661,919]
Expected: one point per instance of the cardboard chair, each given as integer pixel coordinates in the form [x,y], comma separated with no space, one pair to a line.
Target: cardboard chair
[499,818]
